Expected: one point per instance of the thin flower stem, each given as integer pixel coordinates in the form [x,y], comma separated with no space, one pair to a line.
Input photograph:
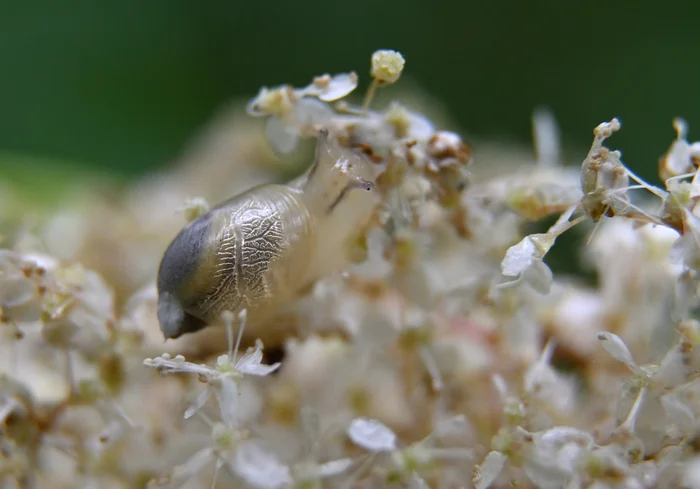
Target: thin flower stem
[123,414]
[681,177]
[217,466]
[369,96]
[229,340]
[654,190]
[239,336]
[628,424]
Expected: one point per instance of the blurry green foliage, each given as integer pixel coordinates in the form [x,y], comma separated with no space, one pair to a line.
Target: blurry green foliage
[123,84]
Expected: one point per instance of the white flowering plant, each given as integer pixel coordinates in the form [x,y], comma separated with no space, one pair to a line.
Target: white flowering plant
[448,354]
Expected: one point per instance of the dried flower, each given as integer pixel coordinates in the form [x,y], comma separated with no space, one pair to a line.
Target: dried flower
[681,158]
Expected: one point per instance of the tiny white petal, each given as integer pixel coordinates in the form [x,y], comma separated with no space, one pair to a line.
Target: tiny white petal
[309,111]
[691,473]
[490,469]
[546,136]
[500,384]
[258,369]
[421,128]
[519,257]
[192,467]
[683,247]
[451,426]
[372,435]
[283,137]
[614,345]
[679,412]
[334,467]
[339,86]
[540,277]
[260,468]
[201,400]
[228,396]
[560,435]
[251,357]
[254,106]
[16,291]
[678,158]
[417,482]
[449,454]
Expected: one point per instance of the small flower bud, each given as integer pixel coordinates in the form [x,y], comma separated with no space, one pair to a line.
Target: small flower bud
[387,65]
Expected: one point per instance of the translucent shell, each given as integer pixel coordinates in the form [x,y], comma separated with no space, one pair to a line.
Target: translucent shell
[261,249]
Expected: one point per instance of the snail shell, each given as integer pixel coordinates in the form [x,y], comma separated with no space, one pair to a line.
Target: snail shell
[261,249]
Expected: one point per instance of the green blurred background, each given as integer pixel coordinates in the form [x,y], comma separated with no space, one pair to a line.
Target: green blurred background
[123,85]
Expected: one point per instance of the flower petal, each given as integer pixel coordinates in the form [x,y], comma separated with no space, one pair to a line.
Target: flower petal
[283,137]
[253,355]
[16,291]
[227,394]
[339,86]
[260,370]
[310,111]
[540,277]
[201,400]
[614,345]
[334,467]
[489,470]
[519,257]
[260,468]
[372,435]
[181,474]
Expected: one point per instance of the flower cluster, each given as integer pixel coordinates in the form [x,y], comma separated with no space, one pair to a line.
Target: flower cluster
[447,355]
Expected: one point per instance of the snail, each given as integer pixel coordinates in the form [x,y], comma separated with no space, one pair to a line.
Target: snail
[262,249]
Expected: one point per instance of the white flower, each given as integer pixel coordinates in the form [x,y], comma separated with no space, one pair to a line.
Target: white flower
[224,377]
[294,113]
[525,260]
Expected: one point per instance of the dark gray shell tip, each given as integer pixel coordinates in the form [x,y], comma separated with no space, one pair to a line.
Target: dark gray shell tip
[174,321]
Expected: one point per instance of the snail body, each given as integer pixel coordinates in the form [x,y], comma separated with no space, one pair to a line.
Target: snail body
[261,249]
